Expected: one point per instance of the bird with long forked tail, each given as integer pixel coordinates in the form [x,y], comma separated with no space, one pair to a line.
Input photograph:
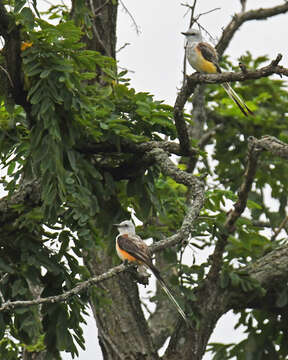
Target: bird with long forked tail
[130,247]
[203,57]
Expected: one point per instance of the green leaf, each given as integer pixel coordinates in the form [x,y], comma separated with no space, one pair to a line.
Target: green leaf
[28,17]
[18,5]
[253,205]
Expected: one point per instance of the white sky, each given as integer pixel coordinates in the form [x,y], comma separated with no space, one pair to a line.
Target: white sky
[156,59]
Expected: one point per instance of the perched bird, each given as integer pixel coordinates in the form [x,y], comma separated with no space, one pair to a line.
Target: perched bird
[203,57]
[130,247]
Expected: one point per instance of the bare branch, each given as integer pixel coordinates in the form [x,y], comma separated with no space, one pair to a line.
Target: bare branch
[272,68]
[8,75]
[204,140]
[122,47]
[195,203]
[84,285]
[273,145]
[281,226]
[131,17]
[239,19]
[271,270]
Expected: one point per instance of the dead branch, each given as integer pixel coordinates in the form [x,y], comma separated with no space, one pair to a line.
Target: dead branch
[239,19]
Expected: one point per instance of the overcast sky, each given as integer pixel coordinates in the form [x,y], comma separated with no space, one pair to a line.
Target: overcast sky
[155,58]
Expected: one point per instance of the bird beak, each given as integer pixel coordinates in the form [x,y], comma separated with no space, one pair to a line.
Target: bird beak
[116,225]
[184,33]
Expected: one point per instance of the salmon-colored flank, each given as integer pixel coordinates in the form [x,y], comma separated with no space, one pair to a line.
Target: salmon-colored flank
[125,255]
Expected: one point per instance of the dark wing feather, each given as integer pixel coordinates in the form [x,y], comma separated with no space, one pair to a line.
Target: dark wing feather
[135,247]
[209,54]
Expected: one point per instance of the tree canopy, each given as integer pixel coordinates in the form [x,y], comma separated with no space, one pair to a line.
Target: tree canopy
[82,150]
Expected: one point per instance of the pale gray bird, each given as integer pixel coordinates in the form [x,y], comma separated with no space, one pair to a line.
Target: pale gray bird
[203,57]
[132,248]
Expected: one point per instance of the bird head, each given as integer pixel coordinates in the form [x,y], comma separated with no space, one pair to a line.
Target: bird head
[126,227]
[193,34]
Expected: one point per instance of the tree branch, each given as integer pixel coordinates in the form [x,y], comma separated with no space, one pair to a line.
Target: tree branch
[84,285]
[239,19]
[272,68]
[131,147]
[239,207]
[195,203]
[273,145]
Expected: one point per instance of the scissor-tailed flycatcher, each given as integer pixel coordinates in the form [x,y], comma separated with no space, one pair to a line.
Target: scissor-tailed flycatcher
[131,247]
[204,58]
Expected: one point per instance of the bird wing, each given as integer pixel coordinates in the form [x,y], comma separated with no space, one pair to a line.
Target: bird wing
[209,53]
[136,247]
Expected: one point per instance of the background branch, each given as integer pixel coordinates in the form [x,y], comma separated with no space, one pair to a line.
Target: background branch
[235,214]
[239,19]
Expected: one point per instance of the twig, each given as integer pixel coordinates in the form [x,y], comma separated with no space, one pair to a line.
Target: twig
[137,29]
[193,20]
[8,75]
[208,135]
[95,31]
[281,226]
[208,12]
[97,11]
[122,47]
